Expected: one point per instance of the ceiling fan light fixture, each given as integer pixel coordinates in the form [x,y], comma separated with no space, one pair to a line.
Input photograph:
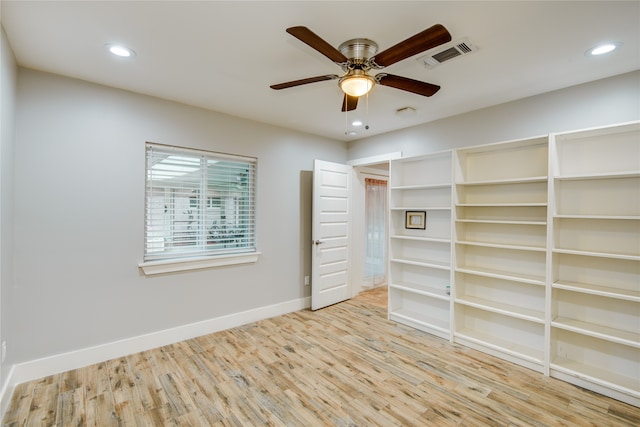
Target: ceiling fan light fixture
[357,83]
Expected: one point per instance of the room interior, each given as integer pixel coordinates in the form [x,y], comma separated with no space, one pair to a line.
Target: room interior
[75,120]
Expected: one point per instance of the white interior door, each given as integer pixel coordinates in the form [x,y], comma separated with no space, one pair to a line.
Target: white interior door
[331,233]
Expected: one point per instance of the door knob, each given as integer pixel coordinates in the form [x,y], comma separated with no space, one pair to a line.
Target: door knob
[318,242]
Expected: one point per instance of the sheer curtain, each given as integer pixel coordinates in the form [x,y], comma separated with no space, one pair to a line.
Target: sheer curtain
[375,271]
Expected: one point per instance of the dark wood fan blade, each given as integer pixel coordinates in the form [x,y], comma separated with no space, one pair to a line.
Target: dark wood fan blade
[310,38]
[427,39]
[303,81]
[410,85]
[349,103]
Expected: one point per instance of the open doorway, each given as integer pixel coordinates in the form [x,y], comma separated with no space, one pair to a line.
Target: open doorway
[373,215]
[375,234]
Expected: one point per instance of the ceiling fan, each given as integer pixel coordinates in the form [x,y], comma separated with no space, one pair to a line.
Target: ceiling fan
[357,57]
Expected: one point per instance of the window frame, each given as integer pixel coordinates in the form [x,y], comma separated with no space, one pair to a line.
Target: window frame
[202,257]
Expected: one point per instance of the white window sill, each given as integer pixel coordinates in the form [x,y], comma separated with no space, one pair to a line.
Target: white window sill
[151,268]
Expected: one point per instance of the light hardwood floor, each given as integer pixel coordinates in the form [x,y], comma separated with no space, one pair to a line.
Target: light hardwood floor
[345,365]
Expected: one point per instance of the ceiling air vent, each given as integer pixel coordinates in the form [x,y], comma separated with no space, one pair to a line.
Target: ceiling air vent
[447,52]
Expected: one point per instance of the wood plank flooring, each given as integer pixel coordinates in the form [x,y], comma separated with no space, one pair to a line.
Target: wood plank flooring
[345,365]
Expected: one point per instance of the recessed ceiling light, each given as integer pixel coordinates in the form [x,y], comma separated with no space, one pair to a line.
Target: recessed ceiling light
[352,133]
[603,48]
[120,50]
[356,123]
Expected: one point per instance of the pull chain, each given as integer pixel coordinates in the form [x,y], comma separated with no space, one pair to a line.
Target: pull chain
[366,122]
[346,112]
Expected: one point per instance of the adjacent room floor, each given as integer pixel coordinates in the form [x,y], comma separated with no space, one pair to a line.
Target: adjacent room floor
[345,365]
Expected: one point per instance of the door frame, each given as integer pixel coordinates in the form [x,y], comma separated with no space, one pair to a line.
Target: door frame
[362,166]
[360,242]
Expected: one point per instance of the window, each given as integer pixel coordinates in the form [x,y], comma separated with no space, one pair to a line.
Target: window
[198,204]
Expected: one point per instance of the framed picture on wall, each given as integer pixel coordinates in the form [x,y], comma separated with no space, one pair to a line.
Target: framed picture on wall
[416,220]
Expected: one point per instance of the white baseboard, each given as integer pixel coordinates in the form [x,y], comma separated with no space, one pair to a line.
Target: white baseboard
[34,369]
[6,391]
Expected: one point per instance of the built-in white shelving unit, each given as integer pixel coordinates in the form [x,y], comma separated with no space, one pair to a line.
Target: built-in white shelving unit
[595,304]
[539,241]
[420,259]
[500,249]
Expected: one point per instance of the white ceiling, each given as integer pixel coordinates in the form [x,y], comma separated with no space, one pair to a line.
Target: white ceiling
[224,55]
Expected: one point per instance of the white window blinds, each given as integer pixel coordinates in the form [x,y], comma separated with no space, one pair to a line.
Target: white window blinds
[198,203]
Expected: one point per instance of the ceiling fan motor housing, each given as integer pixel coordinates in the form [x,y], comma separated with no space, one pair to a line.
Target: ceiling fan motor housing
[358,49]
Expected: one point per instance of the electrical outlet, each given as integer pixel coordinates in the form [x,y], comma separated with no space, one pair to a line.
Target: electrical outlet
[306,280]
[4,351]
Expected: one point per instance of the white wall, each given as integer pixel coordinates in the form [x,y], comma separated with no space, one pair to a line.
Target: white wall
[79,212]
[8,77]
[608,101]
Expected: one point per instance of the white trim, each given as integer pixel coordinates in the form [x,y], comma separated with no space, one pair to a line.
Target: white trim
[372,172]
[171,266]
[6,392]
[51,365]
[364,161]
[627,397]
[200,152]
